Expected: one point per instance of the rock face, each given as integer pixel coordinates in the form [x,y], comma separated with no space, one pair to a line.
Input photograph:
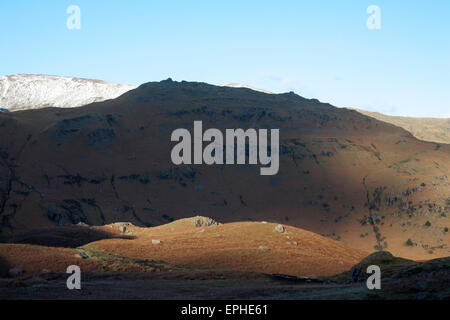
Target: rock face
[30,91]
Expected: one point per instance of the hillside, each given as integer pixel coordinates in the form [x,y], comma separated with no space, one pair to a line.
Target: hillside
[200,258]
[349,177]
[427,129]
[239,246]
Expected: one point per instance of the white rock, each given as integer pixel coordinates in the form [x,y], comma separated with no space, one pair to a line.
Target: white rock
[280,229]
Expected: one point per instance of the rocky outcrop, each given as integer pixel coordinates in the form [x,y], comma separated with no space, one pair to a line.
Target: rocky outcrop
[204,222]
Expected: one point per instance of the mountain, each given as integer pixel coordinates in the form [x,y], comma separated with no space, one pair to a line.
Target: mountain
[427,129]
[35,91]
[343,175]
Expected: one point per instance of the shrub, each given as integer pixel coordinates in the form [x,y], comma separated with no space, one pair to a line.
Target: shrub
[428,224]
[409,243]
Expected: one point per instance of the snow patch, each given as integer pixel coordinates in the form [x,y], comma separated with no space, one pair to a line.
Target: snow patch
[238,85]
[4,83]
[34,91]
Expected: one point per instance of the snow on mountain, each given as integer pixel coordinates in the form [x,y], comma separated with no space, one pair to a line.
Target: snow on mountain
[33,91]
[238,85]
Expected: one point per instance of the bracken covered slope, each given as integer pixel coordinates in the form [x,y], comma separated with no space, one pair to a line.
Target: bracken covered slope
[344,175]
[183,245]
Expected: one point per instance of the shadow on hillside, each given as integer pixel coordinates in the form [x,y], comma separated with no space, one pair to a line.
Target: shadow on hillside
[4,267]
[65,236]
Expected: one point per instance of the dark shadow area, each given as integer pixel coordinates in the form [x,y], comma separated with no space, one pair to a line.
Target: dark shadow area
[4,267]
[3,239]
[293,279]
[65,236]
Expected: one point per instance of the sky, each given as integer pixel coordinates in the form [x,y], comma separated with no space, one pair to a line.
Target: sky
[319,48]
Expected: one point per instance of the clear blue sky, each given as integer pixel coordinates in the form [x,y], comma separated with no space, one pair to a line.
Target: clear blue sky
[319,49]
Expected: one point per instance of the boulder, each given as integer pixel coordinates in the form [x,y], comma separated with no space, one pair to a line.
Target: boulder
[280,229]
[123,226]
[82,224]
[82,253]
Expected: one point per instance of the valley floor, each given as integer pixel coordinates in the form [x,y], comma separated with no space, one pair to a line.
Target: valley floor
[129,287]
[198,258]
